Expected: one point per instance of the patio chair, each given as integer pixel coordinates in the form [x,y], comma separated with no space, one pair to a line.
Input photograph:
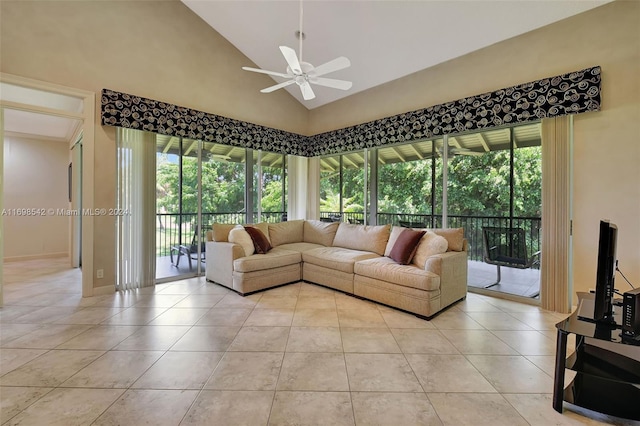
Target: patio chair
[191,251]
[507,247]
[332,218]
[336,217]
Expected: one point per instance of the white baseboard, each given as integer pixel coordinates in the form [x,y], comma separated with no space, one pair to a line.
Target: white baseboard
[104,290]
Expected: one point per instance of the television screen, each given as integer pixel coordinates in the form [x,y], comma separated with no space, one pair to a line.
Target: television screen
[606,269]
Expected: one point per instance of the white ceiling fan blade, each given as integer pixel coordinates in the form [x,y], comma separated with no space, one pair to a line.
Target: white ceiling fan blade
[332,82]
[277,74]
[331,66]
[291,58]
[278,86]
[470,153]
[307,92]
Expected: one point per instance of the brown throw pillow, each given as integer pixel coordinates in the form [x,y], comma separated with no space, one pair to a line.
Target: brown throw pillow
[260,241]
[406,245]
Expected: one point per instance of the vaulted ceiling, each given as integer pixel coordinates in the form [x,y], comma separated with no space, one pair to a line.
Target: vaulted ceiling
[384,40]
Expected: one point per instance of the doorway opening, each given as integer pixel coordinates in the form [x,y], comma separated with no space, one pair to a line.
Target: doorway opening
[34,117]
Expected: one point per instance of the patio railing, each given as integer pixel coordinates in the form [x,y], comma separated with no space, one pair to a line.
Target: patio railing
[169,233]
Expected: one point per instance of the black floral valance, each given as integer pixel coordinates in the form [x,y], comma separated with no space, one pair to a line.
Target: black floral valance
[571,93]
[134,112]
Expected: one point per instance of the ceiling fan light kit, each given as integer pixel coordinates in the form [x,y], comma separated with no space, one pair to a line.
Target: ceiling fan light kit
[303,73]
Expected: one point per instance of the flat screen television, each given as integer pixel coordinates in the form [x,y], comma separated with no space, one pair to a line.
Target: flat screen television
[606,270]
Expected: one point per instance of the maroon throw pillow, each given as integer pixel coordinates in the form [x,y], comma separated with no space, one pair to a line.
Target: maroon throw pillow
[405,246]
[260,242]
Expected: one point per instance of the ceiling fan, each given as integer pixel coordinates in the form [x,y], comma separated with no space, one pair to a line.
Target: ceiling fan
[303,73]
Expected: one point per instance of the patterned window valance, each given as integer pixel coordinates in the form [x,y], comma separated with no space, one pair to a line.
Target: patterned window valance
[571,93]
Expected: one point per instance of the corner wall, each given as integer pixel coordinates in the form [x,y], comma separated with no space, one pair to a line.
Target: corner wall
[606,178]
[1,205]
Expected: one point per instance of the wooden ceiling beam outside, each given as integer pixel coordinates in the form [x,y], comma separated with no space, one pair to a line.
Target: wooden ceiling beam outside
[191,147]
[167,147]
[483,142]
[420,156]
[398,154]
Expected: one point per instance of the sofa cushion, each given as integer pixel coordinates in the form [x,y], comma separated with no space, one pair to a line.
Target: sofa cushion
[286,232]
[340,259]
[276,258]
[239,235]
[221,231]
[260,242]
[320,232]
[429,245]
[405,246]
[362,237]
[454,236]
[386,269]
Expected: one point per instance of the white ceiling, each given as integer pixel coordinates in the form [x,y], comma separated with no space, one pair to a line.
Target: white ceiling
[384,40]
[30,124]
[27,123]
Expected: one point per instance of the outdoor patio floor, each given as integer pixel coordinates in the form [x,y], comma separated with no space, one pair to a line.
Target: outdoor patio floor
[165,269]
[520,282]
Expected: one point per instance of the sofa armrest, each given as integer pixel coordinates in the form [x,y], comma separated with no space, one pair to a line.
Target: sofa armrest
[220,257]
[452,269]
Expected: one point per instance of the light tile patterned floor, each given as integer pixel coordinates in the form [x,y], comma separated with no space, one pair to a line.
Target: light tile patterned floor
[192,352]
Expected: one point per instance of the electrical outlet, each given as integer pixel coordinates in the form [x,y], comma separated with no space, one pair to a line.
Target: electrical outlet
[100,273]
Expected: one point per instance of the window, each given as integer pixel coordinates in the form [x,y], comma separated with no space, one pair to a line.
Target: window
[342,187]
[269,186]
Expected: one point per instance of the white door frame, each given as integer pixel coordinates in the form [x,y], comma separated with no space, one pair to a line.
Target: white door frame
[88,129]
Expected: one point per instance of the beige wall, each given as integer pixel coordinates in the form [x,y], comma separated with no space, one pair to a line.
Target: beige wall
[163,51]
[1,204]
[35,177]
[155,49]
[607,143]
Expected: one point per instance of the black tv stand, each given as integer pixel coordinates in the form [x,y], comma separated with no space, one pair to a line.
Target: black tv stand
[607,367]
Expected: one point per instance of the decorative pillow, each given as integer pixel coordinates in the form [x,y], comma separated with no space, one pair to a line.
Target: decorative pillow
[430,244]
[395,233]
[454,236]
[362,237]
[260,242]
[221,231]
[264,227]
[405,246]
[240,236]
[320,232]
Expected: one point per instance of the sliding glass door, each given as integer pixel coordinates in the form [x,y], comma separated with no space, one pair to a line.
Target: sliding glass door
[179,248]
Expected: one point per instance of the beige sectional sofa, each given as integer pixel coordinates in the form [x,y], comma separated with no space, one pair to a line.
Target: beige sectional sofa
[346,257]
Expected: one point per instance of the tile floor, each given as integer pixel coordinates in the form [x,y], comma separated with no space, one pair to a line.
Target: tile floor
[192,352]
